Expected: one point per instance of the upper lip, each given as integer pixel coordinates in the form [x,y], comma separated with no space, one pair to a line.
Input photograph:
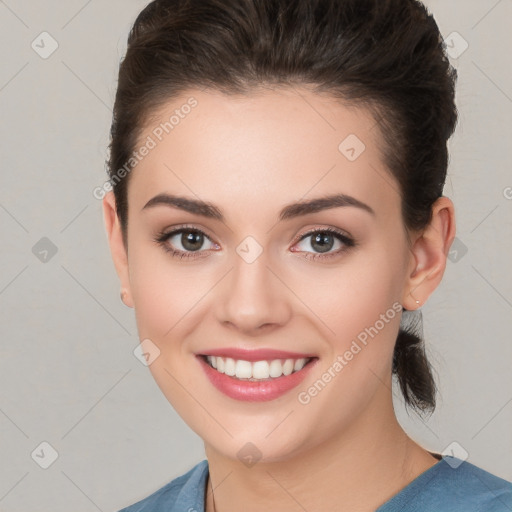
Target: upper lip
[259,354]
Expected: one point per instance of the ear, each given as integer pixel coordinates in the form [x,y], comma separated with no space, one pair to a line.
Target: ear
[117,248]
[428,255]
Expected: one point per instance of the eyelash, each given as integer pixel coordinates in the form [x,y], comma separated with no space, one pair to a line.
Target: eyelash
[164,236]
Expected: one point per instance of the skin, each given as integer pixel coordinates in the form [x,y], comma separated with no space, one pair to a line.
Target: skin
[250,156]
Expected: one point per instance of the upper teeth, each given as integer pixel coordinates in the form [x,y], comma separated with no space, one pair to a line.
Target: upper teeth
[255,370]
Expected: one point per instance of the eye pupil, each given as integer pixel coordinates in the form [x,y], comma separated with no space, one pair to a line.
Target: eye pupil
[324,241]
[192,241]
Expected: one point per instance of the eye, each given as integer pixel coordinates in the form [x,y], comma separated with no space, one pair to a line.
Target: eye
[323,240]
[184,242]
[188,242]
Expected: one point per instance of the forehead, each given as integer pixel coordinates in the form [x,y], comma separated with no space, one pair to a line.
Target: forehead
[266,148]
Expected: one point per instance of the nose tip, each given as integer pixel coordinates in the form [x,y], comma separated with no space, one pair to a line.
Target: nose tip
[253,300]
[249,328]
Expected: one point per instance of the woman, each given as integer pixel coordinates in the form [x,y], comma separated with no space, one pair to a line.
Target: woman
[276,217]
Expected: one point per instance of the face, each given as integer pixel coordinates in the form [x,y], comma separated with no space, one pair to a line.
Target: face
[250,278]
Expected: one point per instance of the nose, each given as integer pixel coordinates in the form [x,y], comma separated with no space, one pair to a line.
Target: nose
[253,299]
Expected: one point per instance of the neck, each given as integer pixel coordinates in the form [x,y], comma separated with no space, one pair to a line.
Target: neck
[362,468]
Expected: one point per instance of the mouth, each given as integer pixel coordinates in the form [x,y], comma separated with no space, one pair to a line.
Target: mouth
[253,377]
[256,371]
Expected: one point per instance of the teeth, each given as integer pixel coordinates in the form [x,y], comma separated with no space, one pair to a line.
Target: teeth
[299,364]
[260,370]
[243,370]
[229,367]
[257,370]
[276,368]
[288,367]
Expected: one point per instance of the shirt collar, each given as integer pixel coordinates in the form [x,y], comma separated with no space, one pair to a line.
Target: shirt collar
[191,495]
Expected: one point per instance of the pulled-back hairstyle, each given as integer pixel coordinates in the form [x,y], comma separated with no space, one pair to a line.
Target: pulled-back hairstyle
[385,55]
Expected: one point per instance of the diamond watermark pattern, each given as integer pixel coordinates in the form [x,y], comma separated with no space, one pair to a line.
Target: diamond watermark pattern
[44,45]
[44,250]
[249,454]
[146,352]
[456,45]
[249,249]
[454,454]
[457,250]
[351,147]
[44,455]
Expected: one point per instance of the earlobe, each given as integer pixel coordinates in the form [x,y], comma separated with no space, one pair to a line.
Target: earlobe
[429,253]
[117,248]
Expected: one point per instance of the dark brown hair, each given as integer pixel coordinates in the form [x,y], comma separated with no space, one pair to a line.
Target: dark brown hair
[385,55]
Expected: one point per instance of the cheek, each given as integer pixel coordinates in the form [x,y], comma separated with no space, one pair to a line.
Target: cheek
[352,298]
[151,294]
[359,308]
[163,291]
[364,323]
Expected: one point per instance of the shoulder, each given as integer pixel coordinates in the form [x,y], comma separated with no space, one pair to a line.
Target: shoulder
[453,485]
[183,493]
[475,486]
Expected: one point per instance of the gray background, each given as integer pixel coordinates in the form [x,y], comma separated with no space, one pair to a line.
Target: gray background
[69,376]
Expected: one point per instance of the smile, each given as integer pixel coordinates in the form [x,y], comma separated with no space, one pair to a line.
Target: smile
[257,370]
[255,376]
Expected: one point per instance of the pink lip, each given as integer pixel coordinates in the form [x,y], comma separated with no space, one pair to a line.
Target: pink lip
[255,391]
[259,354]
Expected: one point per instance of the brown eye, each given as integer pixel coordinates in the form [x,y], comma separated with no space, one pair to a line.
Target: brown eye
[184,242]
[191,240]
[323,241]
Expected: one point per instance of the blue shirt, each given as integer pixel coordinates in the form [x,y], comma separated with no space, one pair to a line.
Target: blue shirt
[450,485]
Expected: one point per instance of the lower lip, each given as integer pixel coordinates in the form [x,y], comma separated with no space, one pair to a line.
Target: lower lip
[252,391]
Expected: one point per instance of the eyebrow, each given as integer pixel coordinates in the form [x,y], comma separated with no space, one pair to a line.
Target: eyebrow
[290,211]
